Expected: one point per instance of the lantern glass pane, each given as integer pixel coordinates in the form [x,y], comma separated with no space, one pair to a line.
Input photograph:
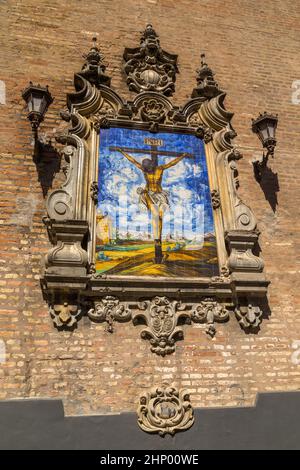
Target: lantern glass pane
[30,104]
[264,131]
[43,108]
[271,130]
[37,104]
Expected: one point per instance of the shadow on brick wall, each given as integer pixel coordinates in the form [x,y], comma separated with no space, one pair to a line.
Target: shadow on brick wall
[47,161]
[269,184]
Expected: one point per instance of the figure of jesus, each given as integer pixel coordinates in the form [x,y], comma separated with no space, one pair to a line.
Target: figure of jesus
[152,195]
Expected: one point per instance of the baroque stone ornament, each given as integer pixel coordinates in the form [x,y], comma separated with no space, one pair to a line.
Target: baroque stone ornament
[165,410]
[64,315]
[149,67]
[70,275]
[67,252]
[205,133]
[109,309]
[215,199]
[195,121]
[161,315]
[248,315]
[208,311]
[224,275]
[241,257]
[94,191]
[100,122]
[153,111]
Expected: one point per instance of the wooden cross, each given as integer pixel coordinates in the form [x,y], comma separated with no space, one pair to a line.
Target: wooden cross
[153,151]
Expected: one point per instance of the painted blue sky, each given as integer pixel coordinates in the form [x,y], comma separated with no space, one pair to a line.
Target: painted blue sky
[190,211]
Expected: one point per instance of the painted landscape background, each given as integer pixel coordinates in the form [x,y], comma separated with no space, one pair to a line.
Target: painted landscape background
[125,244]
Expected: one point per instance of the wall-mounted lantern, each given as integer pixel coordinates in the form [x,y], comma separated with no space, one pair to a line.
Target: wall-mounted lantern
[265,127]
[38,99]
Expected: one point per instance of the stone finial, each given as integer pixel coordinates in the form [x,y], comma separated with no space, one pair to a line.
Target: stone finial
[94,67]
[206,85]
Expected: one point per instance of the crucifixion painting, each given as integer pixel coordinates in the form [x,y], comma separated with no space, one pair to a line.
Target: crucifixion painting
[153,196]
[154,215]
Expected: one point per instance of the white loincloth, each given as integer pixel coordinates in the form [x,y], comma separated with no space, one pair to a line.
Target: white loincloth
[160,200]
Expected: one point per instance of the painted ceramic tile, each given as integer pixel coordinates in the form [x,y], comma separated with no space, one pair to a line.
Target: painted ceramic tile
[154,214]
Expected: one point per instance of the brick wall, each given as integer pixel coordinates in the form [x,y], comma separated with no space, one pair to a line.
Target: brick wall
[253,48]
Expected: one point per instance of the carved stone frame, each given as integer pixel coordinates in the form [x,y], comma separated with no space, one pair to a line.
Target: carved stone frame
[70,283]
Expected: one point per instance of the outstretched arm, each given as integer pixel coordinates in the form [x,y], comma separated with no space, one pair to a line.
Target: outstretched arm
[130,158]
[173,162]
